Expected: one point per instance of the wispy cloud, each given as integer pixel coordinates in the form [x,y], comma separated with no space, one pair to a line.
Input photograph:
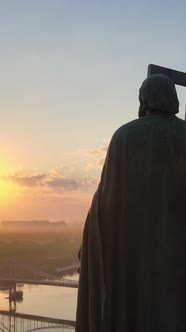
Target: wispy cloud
[27,180]
[83,177]
[62,183]
[94,158]
[99,151]
[55,180]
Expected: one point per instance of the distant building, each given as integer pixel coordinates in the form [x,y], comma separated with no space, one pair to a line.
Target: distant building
[31,224]
[58,223]
[22,223]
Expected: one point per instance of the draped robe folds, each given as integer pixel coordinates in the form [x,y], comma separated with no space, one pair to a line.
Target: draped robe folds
[133,264]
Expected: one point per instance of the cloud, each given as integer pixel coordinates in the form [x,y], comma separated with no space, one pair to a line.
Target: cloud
[94,158]
[82,176]
[62,183]
[99,151]
[54,180]
[89,181]
[27,180]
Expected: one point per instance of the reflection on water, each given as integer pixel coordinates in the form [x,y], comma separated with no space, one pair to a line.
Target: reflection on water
[48,301]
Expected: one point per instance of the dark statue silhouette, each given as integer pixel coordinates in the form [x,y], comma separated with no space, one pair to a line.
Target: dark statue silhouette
[133,257]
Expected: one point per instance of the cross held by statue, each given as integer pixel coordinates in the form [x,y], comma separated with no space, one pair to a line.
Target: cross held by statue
[178,77]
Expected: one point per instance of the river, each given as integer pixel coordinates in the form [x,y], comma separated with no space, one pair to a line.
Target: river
[49,301]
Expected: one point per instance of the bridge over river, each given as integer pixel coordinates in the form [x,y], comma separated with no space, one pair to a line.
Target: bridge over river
[16,322]
[22,274]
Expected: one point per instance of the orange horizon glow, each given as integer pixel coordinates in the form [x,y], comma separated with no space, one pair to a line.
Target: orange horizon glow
[54,194]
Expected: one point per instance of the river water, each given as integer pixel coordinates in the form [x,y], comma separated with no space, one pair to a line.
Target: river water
[49,301]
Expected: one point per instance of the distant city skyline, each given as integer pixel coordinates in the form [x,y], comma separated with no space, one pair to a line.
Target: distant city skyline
[70,75]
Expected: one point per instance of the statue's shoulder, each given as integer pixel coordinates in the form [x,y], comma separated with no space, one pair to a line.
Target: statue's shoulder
[179,122]
[132,128]
[140,127]
[179,130]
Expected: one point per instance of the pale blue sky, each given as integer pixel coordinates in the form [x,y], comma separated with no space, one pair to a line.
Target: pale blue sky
[73,68]
[70,71]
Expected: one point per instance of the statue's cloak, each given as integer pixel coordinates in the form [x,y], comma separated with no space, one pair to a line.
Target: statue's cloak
[133,265]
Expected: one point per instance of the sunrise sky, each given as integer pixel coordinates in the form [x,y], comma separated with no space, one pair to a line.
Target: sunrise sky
[70,71]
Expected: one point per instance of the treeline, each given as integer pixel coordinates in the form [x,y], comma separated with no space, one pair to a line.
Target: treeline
[44,251]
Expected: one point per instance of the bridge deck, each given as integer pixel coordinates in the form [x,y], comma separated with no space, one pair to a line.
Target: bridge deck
[62,283]
[39,318]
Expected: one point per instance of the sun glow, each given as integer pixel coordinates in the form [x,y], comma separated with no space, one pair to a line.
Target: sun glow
[8,193]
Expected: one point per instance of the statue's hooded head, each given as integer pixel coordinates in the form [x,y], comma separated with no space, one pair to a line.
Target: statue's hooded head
[158,94]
